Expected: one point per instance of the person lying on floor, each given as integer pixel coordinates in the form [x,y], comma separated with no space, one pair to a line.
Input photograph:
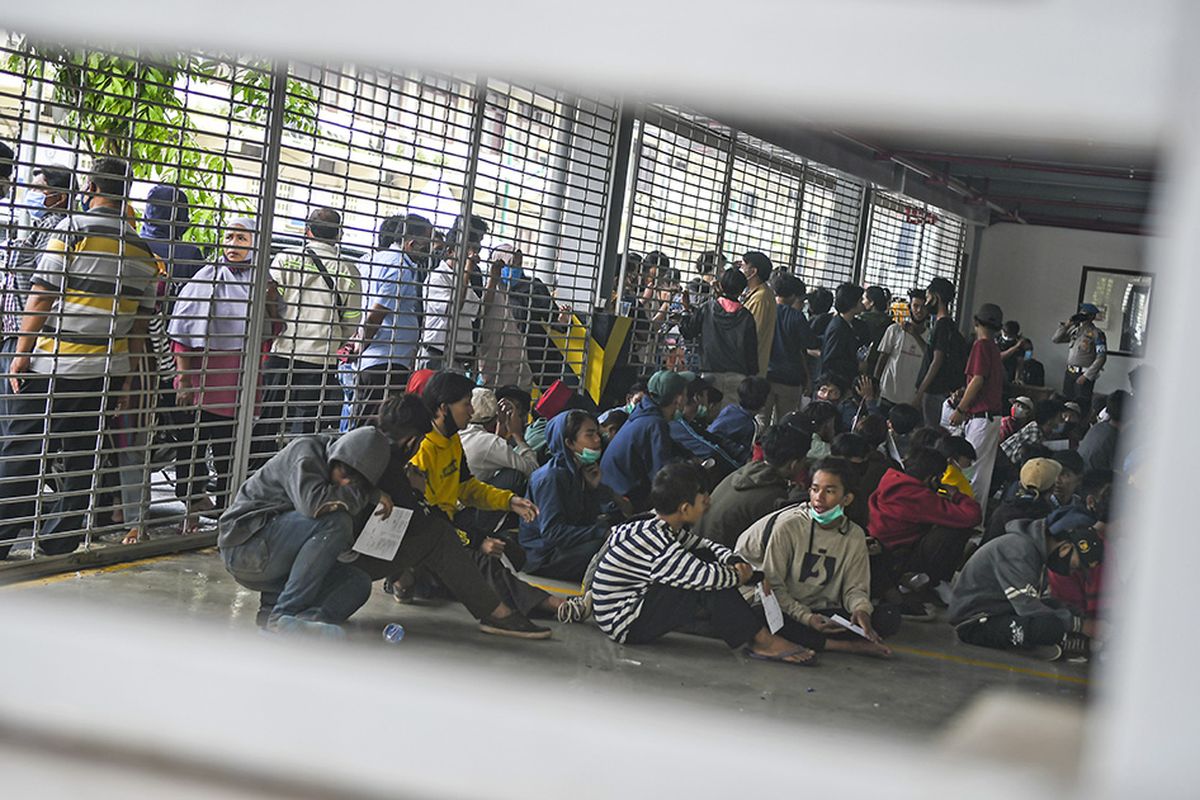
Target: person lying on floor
[997,600]
[287,525]
[575,508]
[657,576]
[922,531]
[815,561]
[735,424]
[431,542]
[449,482]
[758,488]
[1032,501]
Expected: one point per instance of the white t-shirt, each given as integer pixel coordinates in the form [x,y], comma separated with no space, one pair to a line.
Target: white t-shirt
[439,294]
[903,355]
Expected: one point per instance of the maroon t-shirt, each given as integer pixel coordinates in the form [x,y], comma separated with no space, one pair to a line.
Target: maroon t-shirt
[985,360]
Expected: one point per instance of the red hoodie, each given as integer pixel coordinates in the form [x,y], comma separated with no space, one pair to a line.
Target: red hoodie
[903,508]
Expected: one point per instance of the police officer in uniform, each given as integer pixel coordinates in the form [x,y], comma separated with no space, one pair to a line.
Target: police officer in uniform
[1089,351]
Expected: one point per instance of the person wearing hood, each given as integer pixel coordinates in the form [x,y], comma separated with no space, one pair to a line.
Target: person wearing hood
[644,446]
[815,561]
[289,522]
[759,487]
[207,331]
[1032,500]
[1087,356]
[922,530]
[1019,415]
[571,525]
[725,333]
[997,599]
[167,219]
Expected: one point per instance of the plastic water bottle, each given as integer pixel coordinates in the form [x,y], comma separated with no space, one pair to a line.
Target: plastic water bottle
[394,632]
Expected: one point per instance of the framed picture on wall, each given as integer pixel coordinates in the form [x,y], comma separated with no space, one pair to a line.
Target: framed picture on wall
[1123,297]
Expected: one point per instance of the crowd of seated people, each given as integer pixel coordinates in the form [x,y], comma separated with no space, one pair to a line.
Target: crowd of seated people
[913,473]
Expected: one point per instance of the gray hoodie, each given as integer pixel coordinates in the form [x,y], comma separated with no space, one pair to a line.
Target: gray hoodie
[1007,576]
[297,479]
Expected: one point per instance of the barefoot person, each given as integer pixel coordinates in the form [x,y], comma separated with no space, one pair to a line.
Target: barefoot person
[656,576]
[815,561]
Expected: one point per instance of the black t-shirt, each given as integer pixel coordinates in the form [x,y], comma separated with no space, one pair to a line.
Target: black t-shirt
[839,352]
[945,337]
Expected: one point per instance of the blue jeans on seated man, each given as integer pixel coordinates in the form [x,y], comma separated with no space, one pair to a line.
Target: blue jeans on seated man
[293,562]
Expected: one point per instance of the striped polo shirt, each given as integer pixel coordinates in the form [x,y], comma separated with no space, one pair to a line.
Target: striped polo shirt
[103,273]
[644,552]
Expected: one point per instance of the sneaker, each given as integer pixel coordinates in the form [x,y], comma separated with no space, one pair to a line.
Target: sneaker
[515,625]
[913,582]
[1076,647]
[577,609]
[403,589]
[305,627]
[944,593]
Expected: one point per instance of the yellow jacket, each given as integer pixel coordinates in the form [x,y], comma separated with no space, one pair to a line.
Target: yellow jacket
[448,480]
[955,477]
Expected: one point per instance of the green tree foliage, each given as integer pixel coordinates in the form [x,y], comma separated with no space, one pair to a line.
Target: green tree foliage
[144,109]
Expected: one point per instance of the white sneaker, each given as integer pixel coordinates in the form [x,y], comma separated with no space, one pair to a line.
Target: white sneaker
[576,609]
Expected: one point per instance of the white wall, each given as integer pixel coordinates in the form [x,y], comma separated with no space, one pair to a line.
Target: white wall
[1033,273]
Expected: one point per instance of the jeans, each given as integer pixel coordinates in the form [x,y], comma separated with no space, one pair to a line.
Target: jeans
[292,561]
[294,400]
[191,468]
[65,415]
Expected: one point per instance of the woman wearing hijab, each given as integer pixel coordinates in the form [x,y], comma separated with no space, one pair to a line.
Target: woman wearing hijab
[502,359]
[208,332]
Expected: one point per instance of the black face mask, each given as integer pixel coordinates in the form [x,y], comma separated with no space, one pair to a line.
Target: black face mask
[448,422]
[1058,563]
[1101,509]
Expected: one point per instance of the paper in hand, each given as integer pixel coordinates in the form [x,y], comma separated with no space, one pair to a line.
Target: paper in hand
[380,538]
[848,625]
[771,609]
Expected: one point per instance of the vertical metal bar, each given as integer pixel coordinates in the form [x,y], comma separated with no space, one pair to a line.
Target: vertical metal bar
[614,208]
[252,363]
[550,224]
[969,271]
[468,202]
[794,251]
[864,228]
[726,189]
[631,201]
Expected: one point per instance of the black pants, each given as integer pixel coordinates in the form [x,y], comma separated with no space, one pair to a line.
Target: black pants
[293,401]
[885,619]
[432,544]
[66,412]
[191,468]
[1012,632]
[723,614]
[372,385]
[1073,391]
[569,563]
[938,553]
[479,522]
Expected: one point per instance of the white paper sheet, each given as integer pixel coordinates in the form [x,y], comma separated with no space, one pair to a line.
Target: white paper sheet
[381,538]
[848,625]
[771,608]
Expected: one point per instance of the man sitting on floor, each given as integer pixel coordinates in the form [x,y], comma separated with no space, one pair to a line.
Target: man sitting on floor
[736,424]
[815,561]
[1032,500]
[657,576]
[644,446]
[285,529]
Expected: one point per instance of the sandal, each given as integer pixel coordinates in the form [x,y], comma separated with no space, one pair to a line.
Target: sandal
[134,536]
[782,658]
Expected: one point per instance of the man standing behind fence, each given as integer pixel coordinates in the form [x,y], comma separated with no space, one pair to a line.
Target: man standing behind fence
[322,309]
[83,328]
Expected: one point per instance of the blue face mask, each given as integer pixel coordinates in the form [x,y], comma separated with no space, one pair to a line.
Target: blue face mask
[510,274]
[827,517]
[678,414]
[589,456]
[35,201]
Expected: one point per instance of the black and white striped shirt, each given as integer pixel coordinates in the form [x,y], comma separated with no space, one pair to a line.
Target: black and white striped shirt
[646,552]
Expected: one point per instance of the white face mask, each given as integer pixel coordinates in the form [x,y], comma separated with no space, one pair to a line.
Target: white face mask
[1103,416]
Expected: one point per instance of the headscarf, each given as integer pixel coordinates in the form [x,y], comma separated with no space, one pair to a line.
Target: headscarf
[213,308]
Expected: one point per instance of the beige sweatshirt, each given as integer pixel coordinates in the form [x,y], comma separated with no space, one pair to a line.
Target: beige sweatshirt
[810,567]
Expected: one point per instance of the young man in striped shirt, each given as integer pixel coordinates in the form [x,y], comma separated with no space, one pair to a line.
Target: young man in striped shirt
[656,576]
[82,334]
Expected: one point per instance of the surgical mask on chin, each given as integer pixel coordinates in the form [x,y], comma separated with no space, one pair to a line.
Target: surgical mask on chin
[829,516]
[701,413]
[589,456]
[1103,416]
[629,407]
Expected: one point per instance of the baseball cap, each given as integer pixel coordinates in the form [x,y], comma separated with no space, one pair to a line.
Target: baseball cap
[1040,473]
[416,384]
[1073,406]
[990,314]
[665,384]
[483,405]
[1089,308]
[1087,543]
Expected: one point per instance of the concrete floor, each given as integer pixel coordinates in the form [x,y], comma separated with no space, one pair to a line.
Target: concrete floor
[930,680]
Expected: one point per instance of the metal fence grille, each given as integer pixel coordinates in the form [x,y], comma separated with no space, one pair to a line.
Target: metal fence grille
[910,243]
[329,254]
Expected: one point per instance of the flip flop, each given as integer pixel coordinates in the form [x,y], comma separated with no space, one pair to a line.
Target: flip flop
[782,658]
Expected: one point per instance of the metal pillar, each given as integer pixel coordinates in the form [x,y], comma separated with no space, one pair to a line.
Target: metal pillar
[864,227]
[614,209]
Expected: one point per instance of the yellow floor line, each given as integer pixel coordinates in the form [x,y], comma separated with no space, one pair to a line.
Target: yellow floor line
[556,589]
[976,662]
[80,573]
